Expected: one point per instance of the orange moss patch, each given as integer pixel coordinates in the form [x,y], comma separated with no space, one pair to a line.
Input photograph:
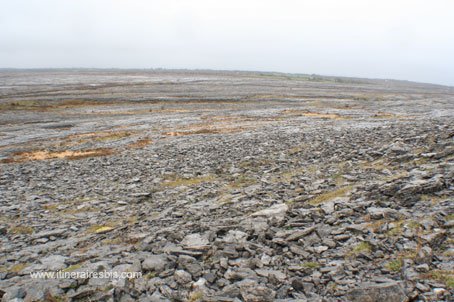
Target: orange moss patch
[220,124]
[322,115]
[44,154]
[92,137]
[141,143]
[217,125]
[388,115]
[228,119]
[296,112]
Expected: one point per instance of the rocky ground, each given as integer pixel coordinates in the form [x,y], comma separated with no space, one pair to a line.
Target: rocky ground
[225,186]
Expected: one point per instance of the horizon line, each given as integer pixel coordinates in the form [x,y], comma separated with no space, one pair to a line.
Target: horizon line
[226,70]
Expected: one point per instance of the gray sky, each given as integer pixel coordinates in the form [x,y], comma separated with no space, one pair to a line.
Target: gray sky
[401,39]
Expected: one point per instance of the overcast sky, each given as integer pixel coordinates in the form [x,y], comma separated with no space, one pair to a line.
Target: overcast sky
[400,39]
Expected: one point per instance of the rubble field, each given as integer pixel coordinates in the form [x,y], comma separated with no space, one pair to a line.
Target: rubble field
[225,186]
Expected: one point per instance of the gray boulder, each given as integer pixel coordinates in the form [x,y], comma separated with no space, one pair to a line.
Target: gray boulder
[378,292]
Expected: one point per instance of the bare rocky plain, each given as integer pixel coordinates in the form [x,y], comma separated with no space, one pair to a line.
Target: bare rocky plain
[225,186]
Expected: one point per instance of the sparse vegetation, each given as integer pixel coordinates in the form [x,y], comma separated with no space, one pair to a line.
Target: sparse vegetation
[72,268]
[50,207]
[72,210]
[150,275]
[412,224]
[363,247]
[297,112]
[409,254]
[384,115]
[219,130]
[100,229]
[397,228]
[16,268]
[44,105]
[44,154]
[288,176]
[324,197]
[295,150]
[112,136]
[375,225]
[21,230]
[52,298]
[112,241]
[310,265]
[141,143]
[394,265]
[242,181]
[255,165]
[447,277]
[378,165]
[196,296]
[433,199]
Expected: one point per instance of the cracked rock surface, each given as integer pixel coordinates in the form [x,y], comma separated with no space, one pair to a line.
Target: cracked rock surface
[225,186]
